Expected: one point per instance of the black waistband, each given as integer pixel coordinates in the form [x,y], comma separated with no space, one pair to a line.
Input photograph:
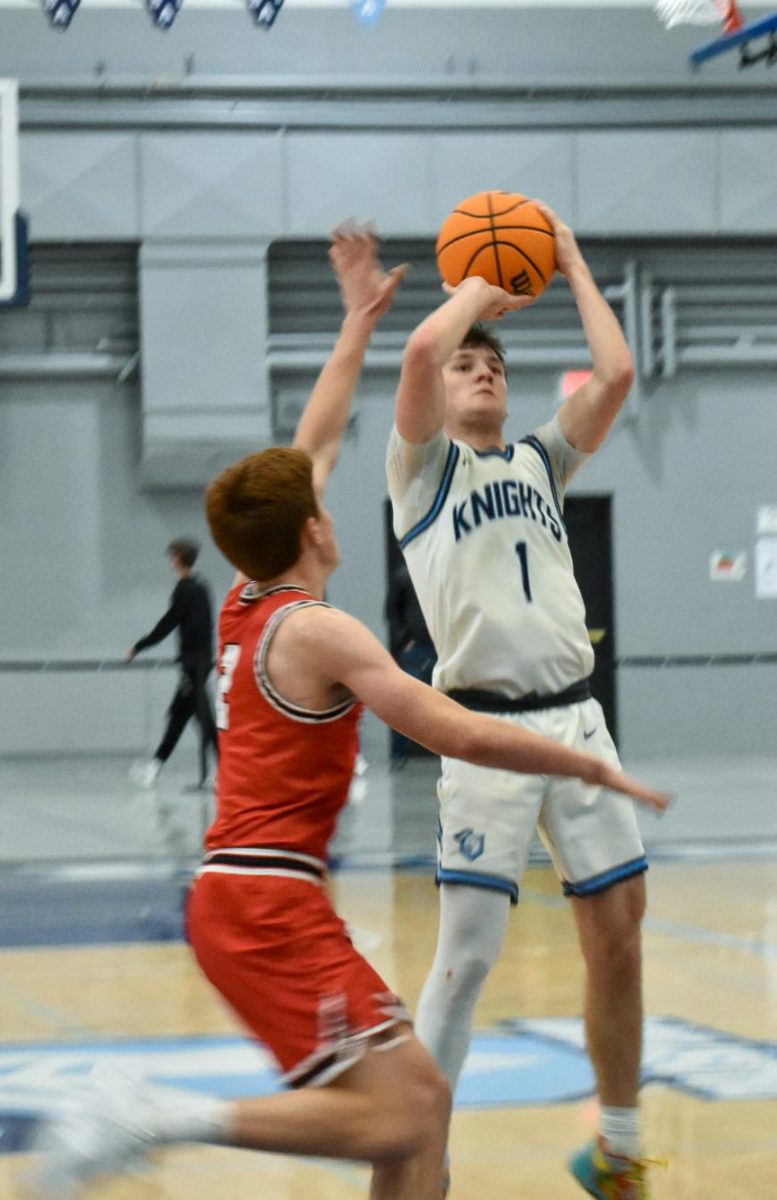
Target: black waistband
[492,702]
[266,861]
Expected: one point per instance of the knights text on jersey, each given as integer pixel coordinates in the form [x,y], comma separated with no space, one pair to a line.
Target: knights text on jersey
[284,771]
[484,539]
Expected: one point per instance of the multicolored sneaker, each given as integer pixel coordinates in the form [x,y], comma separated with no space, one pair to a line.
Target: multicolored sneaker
[603,1176]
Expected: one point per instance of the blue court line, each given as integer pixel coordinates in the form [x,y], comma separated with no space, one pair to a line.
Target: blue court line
[34,913]
[533,1062]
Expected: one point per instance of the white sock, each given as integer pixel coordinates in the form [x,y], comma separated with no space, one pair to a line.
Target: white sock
[621,1129]
[473,922]
[175,1115]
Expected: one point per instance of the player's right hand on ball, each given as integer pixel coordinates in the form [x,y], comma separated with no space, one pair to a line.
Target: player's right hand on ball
[496,301]
[618,781]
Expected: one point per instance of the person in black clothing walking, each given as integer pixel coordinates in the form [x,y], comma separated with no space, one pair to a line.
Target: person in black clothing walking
[190,613]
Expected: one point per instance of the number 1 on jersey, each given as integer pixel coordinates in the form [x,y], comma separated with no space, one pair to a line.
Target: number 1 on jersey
[522,551]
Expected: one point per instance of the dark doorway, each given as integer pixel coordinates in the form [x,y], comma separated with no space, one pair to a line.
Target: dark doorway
[589,525]
[408,637]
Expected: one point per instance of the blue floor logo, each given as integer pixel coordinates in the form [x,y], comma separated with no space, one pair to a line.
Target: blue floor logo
[531,1062]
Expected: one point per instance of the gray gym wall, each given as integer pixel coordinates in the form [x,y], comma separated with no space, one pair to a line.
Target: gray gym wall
[168,164]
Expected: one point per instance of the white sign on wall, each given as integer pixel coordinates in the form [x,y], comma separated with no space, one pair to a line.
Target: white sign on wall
[766,519]
[766,568]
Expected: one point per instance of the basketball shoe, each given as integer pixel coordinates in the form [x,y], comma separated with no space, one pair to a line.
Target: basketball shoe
[103,1128]
[608,1176]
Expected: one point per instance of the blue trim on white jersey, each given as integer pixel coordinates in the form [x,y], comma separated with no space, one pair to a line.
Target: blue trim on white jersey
[600,883]
[495,883]
[506,454]
[439,500]
[536,444]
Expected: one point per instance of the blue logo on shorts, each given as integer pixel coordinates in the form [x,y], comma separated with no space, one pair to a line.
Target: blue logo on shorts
[471,844]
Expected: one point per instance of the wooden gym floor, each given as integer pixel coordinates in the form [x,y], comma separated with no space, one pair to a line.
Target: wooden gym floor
[72,993]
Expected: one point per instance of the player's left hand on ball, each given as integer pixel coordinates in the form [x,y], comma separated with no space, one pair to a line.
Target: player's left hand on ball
[618,781]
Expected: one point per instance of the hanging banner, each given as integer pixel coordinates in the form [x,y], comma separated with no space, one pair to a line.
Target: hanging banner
[60,12]
[265,12]
[368,12]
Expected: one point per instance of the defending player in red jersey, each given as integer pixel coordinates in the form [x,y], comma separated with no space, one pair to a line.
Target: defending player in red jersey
[294,673]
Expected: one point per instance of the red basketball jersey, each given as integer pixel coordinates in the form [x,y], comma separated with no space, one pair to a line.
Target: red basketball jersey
[284,771]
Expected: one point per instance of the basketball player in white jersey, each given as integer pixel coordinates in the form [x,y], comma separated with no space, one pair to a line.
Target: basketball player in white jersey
[481,525]
[360,1084]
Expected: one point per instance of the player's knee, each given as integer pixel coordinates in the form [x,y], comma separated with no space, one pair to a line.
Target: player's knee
[416,1119]
[631,948]
[434,1098]
[469,969]
[617,948]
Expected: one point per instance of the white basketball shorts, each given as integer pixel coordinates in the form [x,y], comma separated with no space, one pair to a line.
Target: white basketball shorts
[488,818]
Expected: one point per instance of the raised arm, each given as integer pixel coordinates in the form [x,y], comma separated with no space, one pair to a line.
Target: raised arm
[587,416]
[367,292]
[345,652]
[420,406]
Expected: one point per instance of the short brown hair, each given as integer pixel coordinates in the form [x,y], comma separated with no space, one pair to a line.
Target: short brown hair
[257,507]
[185,550]
[478,335]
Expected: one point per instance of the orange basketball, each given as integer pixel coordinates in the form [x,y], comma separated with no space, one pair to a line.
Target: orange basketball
[502,236]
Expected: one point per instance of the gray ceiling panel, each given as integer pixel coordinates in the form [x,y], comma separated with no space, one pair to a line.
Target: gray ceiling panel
[748,181]
[536,164]
[386,177]
[81,187]
[211,185]
[646,183]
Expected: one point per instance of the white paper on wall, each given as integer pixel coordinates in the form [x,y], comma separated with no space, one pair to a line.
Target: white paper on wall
[766,568]
[766,519]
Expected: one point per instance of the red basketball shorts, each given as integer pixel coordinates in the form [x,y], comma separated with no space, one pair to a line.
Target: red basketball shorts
[278,953]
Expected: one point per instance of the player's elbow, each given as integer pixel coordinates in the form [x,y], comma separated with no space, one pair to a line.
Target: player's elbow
[422,352]
[618,376]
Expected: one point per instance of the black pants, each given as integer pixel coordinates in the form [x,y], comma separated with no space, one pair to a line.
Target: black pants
[191,700]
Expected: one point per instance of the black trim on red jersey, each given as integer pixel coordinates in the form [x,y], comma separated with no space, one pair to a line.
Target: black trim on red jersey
[252,591]
[266,861]
[295,712]
[323,1064]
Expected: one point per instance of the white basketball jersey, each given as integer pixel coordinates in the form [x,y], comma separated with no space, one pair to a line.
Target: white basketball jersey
[484,539]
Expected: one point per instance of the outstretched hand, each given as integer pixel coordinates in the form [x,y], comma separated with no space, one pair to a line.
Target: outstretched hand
[618,781]
[366,288]
[497,302]
[567,250]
